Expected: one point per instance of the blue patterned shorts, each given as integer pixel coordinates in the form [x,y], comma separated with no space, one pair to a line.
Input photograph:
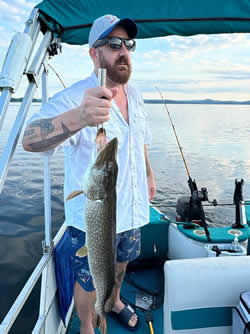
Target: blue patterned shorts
[128,249]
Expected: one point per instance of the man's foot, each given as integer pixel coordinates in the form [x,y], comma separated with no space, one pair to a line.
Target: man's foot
[126,315]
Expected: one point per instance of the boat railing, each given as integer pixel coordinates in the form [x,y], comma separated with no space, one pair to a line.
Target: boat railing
[16,64]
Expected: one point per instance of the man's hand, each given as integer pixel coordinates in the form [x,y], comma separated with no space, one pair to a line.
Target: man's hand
[95,107]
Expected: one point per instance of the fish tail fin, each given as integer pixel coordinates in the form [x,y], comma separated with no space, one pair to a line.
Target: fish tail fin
[110,302]
[101,324]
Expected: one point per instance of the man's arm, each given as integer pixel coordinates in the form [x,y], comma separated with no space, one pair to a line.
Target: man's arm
[45,134]
[150,176]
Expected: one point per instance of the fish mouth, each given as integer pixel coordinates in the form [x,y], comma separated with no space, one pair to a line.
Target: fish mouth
[108,153]
[112,144]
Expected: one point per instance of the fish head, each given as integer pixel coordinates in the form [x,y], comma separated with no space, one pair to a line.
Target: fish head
[104,172]
[107,155]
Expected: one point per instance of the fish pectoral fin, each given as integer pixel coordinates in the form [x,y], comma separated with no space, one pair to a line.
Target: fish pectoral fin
[101,323]
[110,302]
[82,252]
[74,194]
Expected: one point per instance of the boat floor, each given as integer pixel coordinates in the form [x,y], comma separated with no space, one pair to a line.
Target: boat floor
[141,287]
[115,328]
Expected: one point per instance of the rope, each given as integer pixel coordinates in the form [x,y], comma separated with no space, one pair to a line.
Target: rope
[57,75]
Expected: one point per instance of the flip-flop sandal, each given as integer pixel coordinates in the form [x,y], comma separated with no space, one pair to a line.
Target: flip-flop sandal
[124,316]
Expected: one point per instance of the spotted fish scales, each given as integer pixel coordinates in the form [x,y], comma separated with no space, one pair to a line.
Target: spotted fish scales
[100,216]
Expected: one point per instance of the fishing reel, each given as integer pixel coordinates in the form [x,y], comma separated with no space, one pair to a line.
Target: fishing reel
[200,195]
[190,208]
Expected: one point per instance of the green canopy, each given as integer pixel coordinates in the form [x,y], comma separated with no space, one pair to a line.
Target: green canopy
[72,19]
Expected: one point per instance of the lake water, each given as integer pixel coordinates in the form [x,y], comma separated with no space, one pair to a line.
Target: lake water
[215,142]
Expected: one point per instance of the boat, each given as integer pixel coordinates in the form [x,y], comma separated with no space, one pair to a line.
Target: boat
[188,276]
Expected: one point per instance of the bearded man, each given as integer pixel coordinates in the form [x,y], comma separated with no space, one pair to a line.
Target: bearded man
[69,120]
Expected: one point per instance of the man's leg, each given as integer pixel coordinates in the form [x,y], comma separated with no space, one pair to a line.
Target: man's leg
[84,291]
[119,305]
[128,248]
[84,302]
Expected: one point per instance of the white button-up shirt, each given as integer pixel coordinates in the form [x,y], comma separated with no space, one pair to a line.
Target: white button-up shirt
[132,209]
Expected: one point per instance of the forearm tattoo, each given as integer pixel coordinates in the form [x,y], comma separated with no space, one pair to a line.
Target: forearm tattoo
[29,132]
[47,127]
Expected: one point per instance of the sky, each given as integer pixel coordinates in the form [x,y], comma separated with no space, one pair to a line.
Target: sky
[184,68]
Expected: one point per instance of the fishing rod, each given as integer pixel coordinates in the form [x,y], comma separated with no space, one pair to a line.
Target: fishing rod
[196,196]
[183,158]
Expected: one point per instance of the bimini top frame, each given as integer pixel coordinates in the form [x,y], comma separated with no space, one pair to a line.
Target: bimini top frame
[70,22]
[20,61]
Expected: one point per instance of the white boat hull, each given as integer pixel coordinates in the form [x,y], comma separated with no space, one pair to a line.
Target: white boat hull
[182,247]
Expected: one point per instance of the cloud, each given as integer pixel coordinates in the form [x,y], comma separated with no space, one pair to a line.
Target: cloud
[24,4]
[202,66]
[14,14]
[8,9]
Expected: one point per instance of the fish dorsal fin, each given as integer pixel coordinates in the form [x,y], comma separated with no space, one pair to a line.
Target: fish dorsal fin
[82,252]
[74,194]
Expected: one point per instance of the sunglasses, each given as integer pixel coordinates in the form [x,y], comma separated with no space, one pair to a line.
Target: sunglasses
[115,43]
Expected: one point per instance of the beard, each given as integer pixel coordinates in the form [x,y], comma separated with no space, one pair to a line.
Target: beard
[114,72]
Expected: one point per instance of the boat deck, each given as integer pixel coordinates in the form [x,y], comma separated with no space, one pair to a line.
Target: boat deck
[115,328]
[143,285]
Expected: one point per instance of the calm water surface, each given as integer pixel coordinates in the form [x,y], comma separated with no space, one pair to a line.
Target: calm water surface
[215,142]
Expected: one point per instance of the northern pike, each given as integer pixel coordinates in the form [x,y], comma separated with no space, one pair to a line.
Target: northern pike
[100,216]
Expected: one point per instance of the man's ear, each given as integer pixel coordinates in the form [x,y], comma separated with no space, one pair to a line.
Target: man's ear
[93,54]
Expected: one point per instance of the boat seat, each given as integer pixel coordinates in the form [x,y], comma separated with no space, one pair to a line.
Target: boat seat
[200,293]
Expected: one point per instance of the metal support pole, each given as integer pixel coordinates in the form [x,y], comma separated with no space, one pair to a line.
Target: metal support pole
[32,29]
[47,179]
[4,103]
[32,73]
[47,216]
[15,133]
[31,22]
[22,297]
[38,65]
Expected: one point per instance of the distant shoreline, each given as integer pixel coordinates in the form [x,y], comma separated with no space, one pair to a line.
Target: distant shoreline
[151,101]
[206,101]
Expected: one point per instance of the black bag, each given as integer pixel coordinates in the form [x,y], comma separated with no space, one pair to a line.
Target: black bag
[241,315]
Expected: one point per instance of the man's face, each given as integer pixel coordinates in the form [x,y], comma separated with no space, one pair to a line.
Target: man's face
[117,62]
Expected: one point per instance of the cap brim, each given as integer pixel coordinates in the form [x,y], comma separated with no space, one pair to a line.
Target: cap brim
[130,26]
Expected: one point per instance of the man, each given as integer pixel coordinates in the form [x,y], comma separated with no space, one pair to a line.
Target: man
[70,119]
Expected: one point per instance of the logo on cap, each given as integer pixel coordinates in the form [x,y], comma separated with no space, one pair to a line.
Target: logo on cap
[111,18]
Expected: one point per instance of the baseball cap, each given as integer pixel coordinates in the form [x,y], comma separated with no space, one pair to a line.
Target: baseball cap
[106,23]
